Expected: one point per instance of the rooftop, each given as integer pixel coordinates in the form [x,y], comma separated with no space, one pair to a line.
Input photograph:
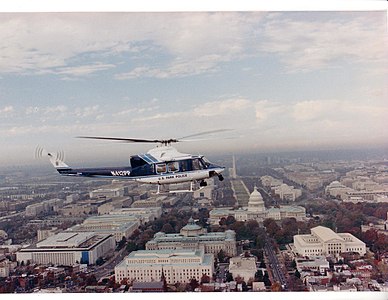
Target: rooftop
[68,240]
[325,234]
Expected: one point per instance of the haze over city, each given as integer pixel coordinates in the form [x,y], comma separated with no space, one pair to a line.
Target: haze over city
[280,80]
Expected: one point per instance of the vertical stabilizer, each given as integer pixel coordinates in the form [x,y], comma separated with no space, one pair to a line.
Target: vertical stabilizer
[56,159]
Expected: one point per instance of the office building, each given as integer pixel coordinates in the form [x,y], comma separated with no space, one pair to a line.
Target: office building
[193,236]
[144,215]
[324,241]
[120,226]
[107,193]
[175,265]
[68,248]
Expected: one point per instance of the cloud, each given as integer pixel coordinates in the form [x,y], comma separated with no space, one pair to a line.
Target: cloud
[79,44]
[305,45]
[221,107]
[6,110]
[331,109]
[84,112]
[177,69]
[310,110]
[195,42]
[84,69]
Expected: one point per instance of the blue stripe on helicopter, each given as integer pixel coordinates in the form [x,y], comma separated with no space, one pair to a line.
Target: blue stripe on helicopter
[148,158]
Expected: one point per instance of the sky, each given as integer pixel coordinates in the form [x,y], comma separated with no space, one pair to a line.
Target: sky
[282,80]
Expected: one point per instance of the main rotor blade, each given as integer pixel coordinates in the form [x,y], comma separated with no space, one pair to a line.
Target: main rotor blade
[166,141]
[127,140]
[203,133]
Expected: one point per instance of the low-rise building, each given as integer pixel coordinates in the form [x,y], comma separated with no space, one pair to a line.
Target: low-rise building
[324,241]
[68,248]
[337,189]
[45,233]
[116,225]
[269,181]
[144,215]
[6,266]
[244,267]
[34,209]
[150,202]
[312,263]
[174,265]
[286,192]
[192,236]
[107,193]
[77,210]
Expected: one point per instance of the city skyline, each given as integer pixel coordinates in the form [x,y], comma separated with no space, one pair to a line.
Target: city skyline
[280,80]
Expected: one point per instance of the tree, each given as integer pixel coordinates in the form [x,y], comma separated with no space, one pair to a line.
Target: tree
[271,226]
[262,264]
[100,261]
[230,220]
[297,274]
[221,256]
[167,228]
[91,280]
[131,246]
[205,279]
[276,287]
[293,264]
[381,242]
[229,277]
[259,275]
[193,284]
[266,280]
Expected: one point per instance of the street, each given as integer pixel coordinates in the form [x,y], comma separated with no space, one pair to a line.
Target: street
[274,265]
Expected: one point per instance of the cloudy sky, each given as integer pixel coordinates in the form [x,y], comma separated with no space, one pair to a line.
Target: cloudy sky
[280,80]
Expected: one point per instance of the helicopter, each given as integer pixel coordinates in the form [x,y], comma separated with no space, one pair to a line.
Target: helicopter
[162,165]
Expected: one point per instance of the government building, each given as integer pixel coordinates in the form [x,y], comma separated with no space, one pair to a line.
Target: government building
[256,210]
[68,248]
[174,265]
[324,241]
[120,226]
[193,236]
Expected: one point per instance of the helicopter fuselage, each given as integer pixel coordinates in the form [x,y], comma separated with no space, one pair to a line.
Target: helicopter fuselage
[148,169]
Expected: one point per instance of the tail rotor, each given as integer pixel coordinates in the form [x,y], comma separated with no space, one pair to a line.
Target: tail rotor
[56,159]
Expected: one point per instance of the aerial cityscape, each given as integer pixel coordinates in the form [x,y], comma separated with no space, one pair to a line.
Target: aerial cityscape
[215,151]
[278,222]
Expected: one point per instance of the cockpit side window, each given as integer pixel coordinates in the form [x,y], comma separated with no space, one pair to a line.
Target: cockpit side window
[161,168]
[185,165]
[173,166]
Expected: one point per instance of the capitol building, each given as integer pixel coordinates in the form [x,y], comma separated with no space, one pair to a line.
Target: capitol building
[193,236]
[256,210]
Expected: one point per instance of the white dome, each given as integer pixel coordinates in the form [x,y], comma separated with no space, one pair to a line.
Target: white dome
[256,203]
[255,196]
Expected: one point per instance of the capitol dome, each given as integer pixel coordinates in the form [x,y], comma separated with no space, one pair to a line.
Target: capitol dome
[256,202]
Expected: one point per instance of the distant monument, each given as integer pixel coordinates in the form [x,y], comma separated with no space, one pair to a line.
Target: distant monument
[232,170]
